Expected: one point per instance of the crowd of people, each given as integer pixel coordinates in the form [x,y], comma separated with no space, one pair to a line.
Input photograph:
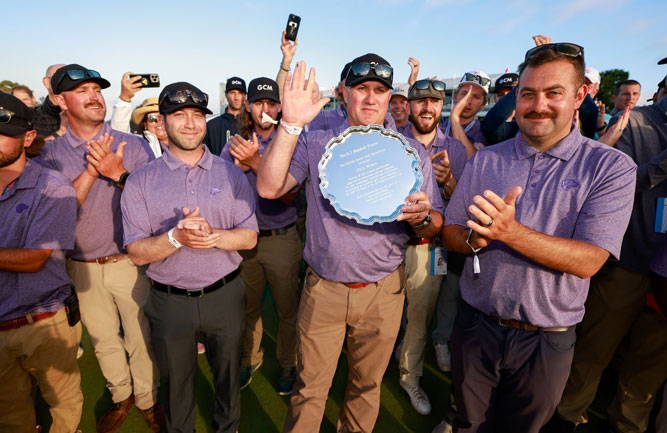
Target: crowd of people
[533,254]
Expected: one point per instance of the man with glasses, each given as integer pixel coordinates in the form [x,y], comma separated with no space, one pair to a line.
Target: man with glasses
[221,128]
[111,289]
[469,97]
[354,286]
[37,344]
[186,215]
[540,213]
[448,157]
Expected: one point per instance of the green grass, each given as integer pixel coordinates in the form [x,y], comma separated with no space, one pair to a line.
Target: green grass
[264,411]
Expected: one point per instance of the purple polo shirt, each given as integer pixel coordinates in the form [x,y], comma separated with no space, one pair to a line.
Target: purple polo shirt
[338,248]
[579,189]
[99,228]
[328,119]
[39,212]
[271,214]
[458,156]
[474,133]
[152,204]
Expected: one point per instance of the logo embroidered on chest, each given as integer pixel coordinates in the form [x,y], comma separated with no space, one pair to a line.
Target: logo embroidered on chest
[21,207]
[569,184]
[214,190]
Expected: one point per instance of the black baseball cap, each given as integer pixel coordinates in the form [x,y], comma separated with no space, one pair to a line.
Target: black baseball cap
[263,88]
[235,83]
[506,81]
[354,78]
[180,95]
[15,116]
[663,61]
[70,76]
[345,71]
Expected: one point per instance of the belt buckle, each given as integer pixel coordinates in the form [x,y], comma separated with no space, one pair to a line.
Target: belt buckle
[99,260]
[500,322]
[190,294]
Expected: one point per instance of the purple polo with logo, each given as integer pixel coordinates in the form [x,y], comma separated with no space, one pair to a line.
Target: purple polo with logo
[152,204]
[99,228]
[271,214]
[38,212]
[579,189]
[456,151]
[473,131]
[338,248]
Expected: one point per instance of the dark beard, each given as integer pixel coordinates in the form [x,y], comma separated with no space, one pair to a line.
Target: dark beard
[7,159]
[415,122]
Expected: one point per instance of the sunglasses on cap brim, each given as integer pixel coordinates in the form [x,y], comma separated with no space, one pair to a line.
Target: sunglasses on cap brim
[6,116]
[181,96]
[438,86]
[474,78]
[565,48]
[364,69]
[79,74]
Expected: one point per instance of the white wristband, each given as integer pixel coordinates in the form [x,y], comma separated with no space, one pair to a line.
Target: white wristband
[172,239]
[292,130]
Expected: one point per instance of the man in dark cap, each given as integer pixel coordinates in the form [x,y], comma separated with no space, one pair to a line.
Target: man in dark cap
[186,215]
[221,128]
[504,84]
[354,286]
[38,208]
[111,289]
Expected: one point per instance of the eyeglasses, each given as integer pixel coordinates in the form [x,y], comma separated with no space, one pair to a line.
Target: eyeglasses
[363,69]
[565,48]
[6,116]
[474,78]
[438,86]
[181,96]
[78,74]
[152,117]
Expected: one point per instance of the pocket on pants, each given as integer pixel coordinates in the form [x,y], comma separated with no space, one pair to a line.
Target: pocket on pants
[561,341]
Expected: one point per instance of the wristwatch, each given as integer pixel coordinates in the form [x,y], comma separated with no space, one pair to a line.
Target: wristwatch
[424,223]
[121,180]
[172,239]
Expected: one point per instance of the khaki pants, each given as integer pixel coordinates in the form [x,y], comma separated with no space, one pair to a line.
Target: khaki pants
[643,371]
[422,290]
[112,297]
[276,260]
[45,350]
[614,301]
[369,317]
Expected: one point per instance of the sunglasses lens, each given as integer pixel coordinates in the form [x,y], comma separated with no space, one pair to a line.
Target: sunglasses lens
[360,69]
[5,116]
[422,84]
[383,71]
[93,74]
[151,117]
[439,86]
[569,49]
[76,74]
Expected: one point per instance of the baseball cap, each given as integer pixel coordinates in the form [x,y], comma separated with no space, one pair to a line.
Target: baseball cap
[15,116]
[477,78]
[663,61]
[506,81]
[593,75]
[263,88]
[149,105]
[370,67]
[235,83]
[663,82]
[427,89]
[180,95]
[70,76]
[400,91]
[345,71]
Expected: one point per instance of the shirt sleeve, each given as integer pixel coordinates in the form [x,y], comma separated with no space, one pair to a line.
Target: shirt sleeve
[120,117]
[136,221]
[458,157]
[53,222]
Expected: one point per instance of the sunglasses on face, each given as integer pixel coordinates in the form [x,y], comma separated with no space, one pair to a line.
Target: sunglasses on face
[565,48]
[152,117]
[181,96]
[6,116]
[438,86]
[363,69]
[79,74]
[474,78]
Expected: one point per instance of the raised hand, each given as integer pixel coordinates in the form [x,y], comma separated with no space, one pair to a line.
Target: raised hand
[414,70]
[615,131]
[246,152]
[541,40]
[298,106]
[455,114]
[129,86]
[106,162]
[288,48]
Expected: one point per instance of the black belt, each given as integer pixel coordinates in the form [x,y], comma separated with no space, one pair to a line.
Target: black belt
[172,290]
[280,231]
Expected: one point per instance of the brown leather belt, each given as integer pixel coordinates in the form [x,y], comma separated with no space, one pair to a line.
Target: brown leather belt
[525,326]
[276,232]
[105,260]
[26,320]
[419,241]
[197,293]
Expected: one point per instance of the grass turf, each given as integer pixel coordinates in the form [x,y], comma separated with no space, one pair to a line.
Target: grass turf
[264,411]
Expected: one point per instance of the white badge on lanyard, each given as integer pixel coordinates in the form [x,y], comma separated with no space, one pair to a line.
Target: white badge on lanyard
[438,260]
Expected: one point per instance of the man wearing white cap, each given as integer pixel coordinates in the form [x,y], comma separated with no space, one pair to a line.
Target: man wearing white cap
[398,105]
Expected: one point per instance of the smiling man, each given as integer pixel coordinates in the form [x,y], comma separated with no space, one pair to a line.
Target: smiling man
[354,284]
[221,128]
[186,215]
[541,213]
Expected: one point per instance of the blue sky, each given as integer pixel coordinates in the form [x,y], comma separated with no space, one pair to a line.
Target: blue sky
[204,42]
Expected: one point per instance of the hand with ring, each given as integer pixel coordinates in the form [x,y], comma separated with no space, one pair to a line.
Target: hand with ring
[495,216]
